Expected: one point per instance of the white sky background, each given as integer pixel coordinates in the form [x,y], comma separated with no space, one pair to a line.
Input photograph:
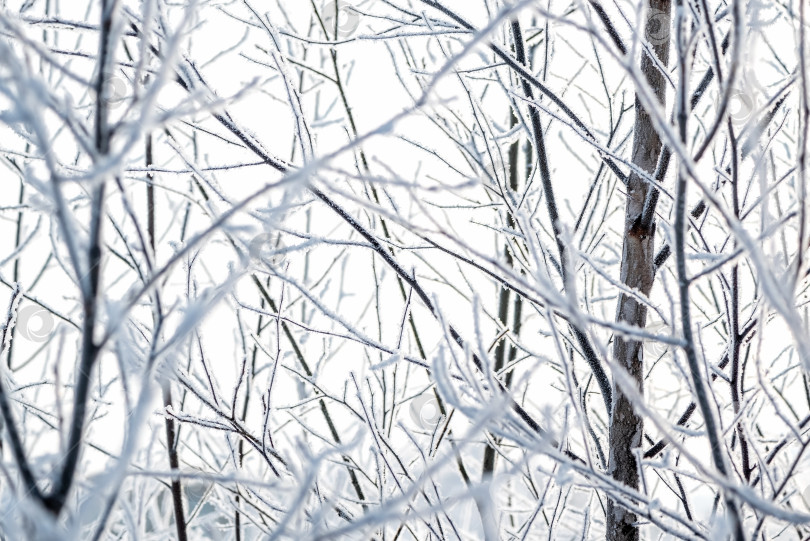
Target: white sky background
[376,96]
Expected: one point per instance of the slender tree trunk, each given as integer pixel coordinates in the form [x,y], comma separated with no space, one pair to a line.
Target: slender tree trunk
[637,272]
[171,429]
[504,294]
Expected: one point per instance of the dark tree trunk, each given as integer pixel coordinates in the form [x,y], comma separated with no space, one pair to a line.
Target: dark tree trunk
[637,272]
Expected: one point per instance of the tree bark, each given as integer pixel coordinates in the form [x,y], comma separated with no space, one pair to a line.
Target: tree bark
[637,272]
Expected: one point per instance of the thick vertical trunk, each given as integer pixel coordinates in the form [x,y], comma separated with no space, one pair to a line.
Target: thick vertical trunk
[637,272]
